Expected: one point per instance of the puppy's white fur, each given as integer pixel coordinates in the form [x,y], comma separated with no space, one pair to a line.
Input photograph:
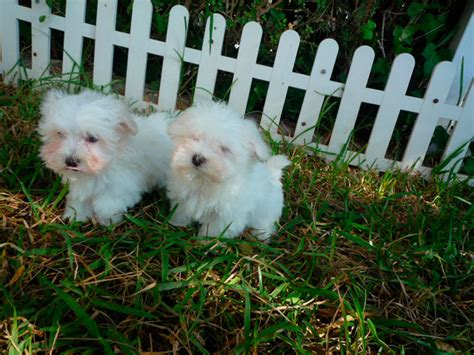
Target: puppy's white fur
[117,154]
[230,188]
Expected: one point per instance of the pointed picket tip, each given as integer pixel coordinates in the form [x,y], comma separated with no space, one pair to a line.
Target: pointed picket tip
[364,51]
[253,26]
[176,26]
[179,10]
[326,56]
[405,59]
[290,35]
[443,73]
[430,112]
[211,51]
[400,74]
[445,65]
[217,19]
[215,34]
[145,6]
[175,47]
[329,44]
[328,49]
[280,80]
[245,64]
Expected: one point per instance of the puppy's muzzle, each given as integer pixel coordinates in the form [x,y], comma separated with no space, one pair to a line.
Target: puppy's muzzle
[198,160]
[72,162]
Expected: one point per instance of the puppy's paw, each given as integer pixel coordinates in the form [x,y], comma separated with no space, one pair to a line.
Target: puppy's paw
[71,214]
[210,231]
[264,238]
[180,219]
[107,220]
[206,241]
[204,231]
[263,235]
[109,210]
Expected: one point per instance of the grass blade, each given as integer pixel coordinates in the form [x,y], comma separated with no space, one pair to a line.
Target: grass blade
[83,317]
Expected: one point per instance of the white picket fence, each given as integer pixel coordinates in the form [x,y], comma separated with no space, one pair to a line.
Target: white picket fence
[318,85]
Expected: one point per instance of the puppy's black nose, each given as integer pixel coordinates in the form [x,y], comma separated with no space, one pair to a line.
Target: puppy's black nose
[198,160]
[72,162]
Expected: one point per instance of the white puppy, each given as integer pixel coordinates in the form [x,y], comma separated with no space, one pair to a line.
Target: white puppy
[217,176]
[108,156]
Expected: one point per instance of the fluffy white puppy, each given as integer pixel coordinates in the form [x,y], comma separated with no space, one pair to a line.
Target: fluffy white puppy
[222,174]
[106,154]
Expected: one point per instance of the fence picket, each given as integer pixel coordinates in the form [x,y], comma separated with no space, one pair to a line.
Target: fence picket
[279,81]
[245,66]
[314,97]
[172,59]
[73,38]
[137,53]
[427,119]
[463,133]
[210,56]
[10,41]
[104,44]
[389,110]
[352,97]
[40,39]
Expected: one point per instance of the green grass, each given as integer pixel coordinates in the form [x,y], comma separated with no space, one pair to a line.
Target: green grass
[363,262]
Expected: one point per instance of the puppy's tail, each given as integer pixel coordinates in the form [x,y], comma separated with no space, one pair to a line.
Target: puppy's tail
[276,164]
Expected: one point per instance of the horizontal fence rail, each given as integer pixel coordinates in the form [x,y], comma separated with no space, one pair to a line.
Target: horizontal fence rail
[318,85]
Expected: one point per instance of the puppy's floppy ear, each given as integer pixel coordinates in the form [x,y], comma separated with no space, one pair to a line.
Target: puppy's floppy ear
[127,126]
[254,141]
[50,99]
[177,124]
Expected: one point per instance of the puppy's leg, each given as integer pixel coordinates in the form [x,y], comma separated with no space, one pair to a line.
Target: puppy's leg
[111,204]
[78,210]
[267,213]
[264,233]
[109,209]
[216,226]
[180,217]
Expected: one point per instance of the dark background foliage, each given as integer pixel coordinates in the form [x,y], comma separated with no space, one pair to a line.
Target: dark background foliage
[422,28]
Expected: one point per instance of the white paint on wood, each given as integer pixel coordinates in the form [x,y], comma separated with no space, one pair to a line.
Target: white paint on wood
[10,41]
[73,38]
[427,119]
[137,53]
[463,58]
[245,66]
[210,56]
[353,95]
[279,81]
[389,110]
[104,43]
[462,135]
[318,85]
[316,92]
[173,56]
[40,39]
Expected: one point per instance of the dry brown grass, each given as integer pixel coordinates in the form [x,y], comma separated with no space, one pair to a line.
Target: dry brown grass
[363,262]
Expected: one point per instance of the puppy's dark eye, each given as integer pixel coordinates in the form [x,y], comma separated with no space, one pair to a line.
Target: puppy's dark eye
[91,139]
[225,150]
[60,134]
